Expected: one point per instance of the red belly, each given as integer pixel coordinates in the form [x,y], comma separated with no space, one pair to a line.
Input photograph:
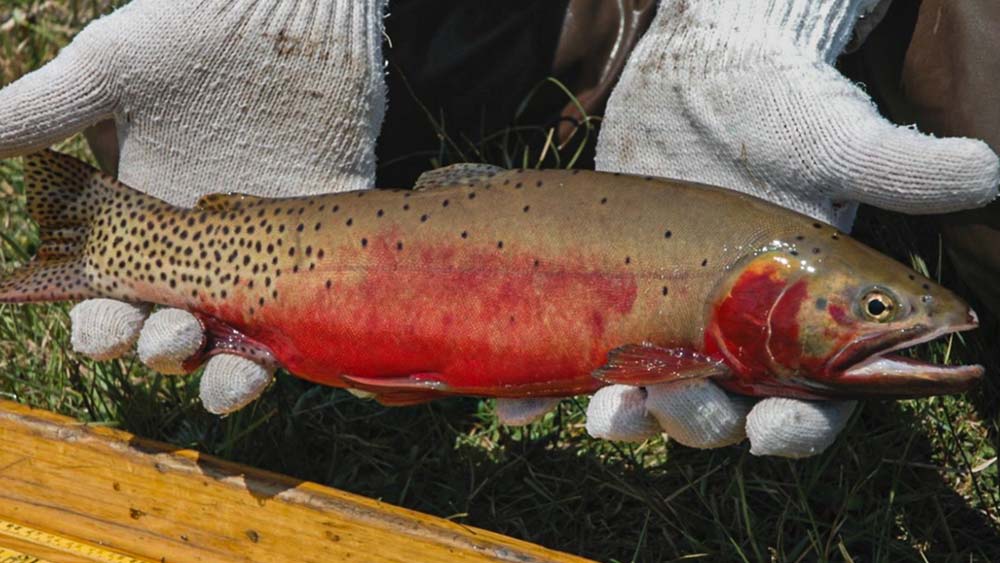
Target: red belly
[486,324]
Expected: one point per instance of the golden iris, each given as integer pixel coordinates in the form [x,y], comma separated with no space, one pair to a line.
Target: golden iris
[878,306]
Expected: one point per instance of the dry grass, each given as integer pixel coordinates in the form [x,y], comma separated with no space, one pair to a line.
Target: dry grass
[907,481]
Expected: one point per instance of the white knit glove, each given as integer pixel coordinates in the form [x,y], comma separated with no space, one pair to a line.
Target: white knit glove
[266,97]
[743,95]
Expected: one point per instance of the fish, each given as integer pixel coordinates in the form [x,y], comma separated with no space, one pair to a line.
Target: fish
[488,282]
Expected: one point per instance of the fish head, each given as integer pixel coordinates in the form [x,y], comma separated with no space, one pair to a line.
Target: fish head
[822,320]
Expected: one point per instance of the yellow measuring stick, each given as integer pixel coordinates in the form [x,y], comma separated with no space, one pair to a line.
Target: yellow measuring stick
[11,556]
[23,537]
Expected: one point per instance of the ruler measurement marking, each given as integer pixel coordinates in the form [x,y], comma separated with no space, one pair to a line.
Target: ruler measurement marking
[53,541]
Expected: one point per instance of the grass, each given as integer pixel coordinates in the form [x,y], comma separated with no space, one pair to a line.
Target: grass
[907,480]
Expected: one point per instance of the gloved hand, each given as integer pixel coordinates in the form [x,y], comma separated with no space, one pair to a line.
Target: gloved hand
[743,95]
[265,97]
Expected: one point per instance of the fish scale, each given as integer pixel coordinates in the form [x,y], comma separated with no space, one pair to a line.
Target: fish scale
[480,281]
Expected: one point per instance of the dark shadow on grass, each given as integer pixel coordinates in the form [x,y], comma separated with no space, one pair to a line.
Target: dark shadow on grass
[875,495]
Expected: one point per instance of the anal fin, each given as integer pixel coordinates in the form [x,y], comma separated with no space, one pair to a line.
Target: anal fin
[647,364]
[220,338]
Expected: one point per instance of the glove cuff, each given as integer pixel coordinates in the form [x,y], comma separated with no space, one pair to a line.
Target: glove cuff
[744,32]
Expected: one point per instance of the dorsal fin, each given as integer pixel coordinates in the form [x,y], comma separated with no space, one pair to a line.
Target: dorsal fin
[455,174]
[224,202]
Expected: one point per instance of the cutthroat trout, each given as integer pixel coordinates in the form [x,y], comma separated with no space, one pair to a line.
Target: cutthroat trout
[488,282]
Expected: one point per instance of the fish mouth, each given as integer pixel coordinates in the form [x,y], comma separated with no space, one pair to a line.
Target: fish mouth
[868,367]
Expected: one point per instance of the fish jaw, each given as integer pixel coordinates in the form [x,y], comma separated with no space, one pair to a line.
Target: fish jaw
[868,367]
[898,376]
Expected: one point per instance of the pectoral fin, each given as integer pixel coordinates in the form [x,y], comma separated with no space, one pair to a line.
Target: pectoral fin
[647,364]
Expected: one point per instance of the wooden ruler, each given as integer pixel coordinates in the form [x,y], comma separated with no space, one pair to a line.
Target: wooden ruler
[76,493]
[21,544]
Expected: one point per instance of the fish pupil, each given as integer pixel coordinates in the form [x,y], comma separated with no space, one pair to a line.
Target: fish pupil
[876,307]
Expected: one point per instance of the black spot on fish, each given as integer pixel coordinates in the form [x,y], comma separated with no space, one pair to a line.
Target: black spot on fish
[817,225]
[665,290]
[526,208]
[379,213]
[704,262]
[465,234]
[423,218]
[399,245]
[821,303]
[472,195]
[628,259]
[668,234]
[500,244]
[816,251]
[364,243]
[604,200]
[350,221]
[444,203]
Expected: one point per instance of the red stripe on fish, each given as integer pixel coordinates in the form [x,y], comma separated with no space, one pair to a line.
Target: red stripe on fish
[474,315]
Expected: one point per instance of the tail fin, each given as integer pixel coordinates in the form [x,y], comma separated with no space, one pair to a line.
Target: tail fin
[64,197]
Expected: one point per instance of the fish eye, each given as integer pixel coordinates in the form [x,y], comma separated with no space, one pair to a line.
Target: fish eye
[878,306]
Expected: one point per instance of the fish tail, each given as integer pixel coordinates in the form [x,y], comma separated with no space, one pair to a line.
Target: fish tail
[66,198]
